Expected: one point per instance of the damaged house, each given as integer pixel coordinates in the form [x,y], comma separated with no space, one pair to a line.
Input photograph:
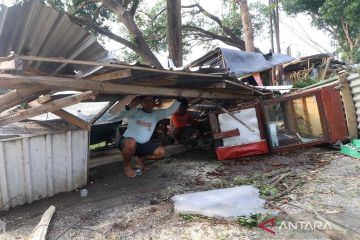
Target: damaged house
[48,71]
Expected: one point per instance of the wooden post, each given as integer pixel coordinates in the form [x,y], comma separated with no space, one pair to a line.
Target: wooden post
[349,107]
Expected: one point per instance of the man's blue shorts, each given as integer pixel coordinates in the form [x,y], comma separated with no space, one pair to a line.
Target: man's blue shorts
[142,149]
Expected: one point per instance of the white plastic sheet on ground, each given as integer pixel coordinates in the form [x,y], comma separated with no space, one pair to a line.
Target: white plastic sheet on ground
[222,203]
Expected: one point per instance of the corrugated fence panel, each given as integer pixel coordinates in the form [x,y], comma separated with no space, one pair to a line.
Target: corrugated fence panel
[40,166]
[354,81]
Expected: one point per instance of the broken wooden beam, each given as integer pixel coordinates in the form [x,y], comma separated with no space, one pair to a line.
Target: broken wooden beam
[17,96]
[111,65]
[64,115]
[101,112]
[15,81]
[125,73]
[226,134]
[47,107]
[120,105]
[61,113]
[40,231]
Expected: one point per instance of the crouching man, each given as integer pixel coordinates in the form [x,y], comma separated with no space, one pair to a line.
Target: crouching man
[141,125]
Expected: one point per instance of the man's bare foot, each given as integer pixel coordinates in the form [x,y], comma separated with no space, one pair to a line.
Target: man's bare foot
[129,171]
[140,163]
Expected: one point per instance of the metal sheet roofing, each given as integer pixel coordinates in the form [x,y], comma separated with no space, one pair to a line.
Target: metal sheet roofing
[239,63]
[35,29]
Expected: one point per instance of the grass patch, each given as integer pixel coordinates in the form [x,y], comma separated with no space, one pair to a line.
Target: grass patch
[259,181]
[305,82]
[253,221]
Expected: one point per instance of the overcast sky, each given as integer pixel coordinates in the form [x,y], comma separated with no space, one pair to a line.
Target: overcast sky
[297,33]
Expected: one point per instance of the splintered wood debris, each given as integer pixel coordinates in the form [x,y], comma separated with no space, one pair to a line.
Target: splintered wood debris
[109,82]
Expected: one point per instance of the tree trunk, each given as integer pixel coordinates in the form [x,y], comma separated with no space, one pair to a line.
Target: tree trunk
[174,32]
[246,22]
[275,14]
[125,17]
[271,28]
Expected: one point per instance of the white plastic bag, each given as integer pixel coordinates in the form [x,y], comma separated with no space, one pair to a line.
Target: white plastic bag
[221,203]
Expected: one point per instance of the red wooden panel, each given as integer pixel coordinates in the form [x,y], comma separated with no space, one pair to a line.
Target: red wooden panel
[257,148]
[334,114]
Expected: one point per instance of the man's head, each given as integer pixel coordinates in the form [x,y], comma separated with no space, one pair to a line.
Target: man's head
[147,103]
[183,107]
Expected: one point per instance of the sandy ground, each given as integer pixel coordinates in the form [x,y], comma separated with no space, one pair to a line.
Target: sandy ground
[118,207]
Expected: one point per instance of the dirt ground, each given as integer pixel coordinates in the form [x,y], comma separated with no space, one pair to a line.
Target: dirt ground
[118,207]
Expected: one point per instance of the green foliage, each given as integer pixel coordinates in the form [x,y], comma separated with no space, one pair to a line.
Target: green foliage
[253,221]
[339,18]
[258,180]
[305,82]
[187,217]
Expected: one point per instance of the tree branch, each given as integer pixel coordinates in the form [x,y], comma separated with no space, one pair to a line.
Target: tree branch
[239,44]
[103,31]
[214,18]
[134,7]
[84,4]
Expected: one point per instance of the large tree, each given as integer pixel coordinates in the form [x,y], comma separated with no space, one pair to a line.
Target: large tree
[174,31]
[142,29]
[246,22]
[339,18]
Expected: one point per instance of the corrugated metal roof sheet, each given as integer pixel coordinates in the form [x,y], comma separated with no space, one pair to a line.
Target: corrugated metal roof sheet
[239,63]
[354,82]
[35,29]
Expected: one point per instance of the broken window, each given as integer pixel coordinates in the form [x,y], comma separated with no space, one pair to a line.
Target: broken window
[294,121]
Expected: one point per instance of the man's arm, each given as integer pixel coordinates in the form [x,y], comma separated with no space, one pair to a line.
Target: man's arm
[129,111]
[164,113]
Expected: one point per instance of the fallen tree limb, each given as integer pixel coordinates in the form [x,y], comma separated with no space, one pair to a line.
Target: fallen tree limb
[278,180]
[286,191]
[40,231]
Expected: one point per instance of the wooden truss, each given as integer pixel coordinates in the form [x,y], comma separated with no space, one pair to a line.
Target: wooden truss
[114,83]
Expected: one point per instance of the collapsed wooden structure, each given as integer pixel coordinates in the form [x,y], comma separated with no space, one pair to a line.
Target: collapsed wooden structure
[110,82]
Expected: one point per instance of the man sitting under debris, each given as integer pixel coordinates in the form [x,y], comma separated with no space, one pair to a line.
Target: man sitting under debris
[182,125]
[141,125]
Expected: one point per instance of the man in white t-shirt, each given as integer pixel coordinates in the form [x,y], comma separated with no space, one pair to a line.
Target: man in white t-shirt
[141,125]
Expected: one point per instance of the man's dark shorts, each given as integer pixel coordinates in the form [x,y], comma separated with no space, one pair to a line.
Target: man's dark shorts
[142,149]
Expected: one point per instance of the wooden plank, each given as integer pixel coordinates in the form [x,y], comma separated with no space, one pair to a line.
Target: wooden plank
[226,134]
[17,96]
[349,107]
[214,124]
[111,65]
[40,231]
[47,107]
[16,81]
[245,87]
[99,114]
[64,115]
[111,75]
[120,105]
